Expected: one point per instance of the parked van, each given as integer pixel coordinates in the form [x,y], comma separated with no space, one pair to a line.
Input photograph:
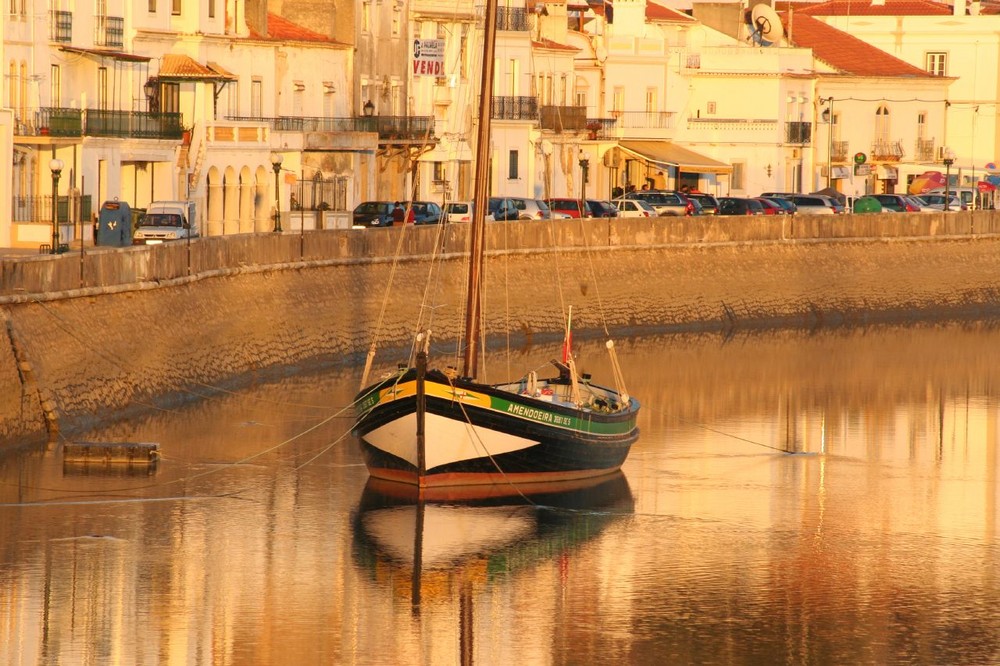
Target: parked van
[166,221]
[971,197]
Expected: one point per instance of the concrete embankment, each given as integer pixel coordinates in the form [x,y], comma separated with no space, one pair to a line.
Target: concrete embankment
[109,331]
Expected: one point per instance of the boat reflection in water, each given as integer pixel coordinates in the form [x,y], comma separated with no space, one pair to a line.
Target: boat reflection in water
[473,534]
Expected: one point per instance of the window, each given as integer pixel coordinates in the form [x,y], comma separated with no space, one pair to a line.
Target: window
[512,166]
[922,125]
[211,8]
[366,16]
[438,172]
[170,98]
[329,99]
[581,97]
[55,86]
[650,100]
[618,100]
[175,7]
[151,6]
[102,88]
[882,124]
[513,72]
[710,108]
[396,21]
[14,87]
[298,93]
[736,179]
[256,98]
[936,63]
[233,99]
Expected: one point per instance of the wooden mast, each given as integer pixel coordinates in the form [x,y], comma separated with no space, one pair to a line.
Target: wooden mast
[480,197]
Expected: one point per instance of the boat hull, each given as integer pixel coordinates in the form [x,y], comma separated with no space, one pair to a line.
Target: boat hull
[481,434]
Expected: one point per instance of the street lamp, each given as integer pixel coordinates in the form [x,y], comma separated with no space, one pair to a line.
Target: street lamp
[276,165]
[948,159]
[56,167]
[584,166]
[368,109]
[828,118]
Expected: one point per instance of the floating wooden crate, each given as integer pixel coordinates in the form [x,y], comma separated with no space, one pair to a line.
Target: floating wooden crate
[128,453]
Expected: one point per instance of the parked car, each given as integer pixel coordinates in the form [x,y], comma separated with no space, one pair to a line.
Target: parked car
[936,202]
[709,204]
[531,209]
[633,208]
[426,212]
[461,211]
[897,203]
[567,206]
[770,208]
[815,204]
[919,203]
[503,208]
[666,202]
[740,206]
[600,208]
[971,197]
[786,206]
[373,214]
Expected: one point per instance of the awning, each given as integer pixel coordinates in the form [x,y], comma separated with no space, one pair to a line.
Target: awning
[841,172]
[887,173]
[177,67]
[667,154]
[100,53]
[448,151]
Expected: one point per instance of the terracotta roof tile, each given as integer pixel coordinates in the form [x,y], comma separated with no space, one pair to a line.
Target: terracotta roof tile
[845,52]
[866,8]
[544,43]
[280,28]
[655,12]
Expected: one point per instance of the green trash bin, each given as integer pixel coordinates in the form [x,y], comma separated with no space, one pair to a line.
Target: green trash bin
[867,205]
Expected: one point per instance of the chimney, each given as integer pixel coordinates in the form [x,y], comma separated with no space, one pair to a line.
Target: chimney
[958,7]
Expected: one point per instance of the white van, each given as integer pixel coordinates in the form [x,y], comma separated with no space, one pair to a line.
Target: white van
[972,198]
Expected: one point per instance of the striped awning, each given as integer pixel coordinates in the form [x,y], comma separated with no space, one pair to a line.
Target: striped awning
[667,154]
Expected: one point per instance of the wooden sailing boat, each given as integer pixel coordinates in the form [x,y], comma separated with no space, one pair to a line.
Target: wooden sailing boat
[432,427]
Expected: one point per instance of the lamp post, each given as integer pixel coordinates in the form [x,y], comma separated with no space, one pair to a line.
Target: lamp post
[828,117]
[584,167]
[276,165]
[948,160]
[56,167]
[368,109]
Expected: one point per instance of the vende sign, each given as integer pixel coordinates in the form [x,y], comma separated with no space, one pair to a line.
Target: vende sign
[428,57]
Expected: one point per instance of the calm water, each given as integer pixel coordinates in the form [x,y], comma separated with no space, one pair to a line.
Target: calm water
[804,499]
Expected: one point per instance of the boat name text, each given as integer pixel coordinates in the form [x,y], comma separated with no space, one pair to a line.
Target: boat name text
[538,415]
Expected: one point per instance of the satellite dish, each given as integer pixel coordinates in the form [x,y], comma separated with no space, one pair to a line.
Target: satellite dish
[766,25]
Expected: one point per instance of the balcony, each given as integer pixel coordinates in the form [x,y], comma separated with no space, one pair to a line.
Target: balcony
[60,26]
[924,150]
[515,108]
[49,121]
[133,124]
[388,128]
[838,151]
[563,118]
[644,119]
[798,132]
[601,128]
[109,31]
[512,19]
[887,151]
[39,208]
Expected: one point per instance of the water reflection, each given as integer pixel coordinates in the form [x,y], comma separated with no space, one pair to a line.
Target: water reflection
[800,498]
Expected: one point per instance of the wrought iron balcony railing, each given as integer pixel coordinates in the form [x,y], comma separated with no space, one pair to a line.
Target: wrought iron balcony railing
[601,128]
[644,119]
[563,118]
[798,132]
[133,124]
[925,150]
[60,26]
[515,108]
[109,31]
[388,128]
[887,151]
[49,121]
[839,151]
[512,18]
[39,208]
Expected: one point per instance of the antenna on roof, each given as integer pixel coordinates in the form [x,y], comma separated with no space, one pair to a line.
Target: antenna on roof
[765,25]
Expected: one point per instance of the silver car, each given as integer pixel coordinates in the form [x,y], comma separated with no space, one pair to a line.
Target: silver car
[531,209]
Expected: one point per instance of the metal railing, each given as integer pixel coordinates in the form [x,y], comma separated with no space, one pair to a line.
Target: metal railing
[60,26]
[388,128]
[924,150]
[601,128]
[512,19]
[49,121]
[798,132]
[644,119]
[515,108]
[839,152]
[133,124]
[887,151]
[561,118]
[39,208]
[109,31]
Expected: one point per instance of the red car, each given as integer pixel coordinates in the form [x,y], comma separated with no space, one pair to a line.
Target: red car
[571,207]
[770,208]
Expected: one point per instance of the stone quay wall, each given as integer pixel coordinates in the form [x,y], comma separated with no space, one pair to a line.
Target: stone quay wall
[101,333]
